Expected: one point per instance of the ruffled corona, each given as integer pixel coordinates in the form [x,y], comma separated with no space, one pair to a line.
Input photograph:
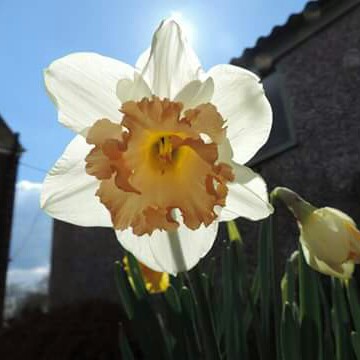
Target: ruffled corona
[156,161]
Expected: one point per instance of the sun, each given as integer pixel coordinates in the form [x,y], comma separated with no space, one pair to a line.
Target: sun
[187,26]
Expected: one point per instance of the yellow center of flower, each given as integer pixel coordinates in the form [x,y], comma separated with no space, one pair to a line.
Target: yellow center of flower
[163,155]
[155,161]
[165,149]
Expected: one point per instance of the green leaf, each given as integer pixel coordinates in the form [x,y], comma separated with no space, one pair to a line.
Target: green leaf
[275,284]
[206,285]
[229,307]
[124,289]
[187,302]
[353,296]
[191,327]
[177,281]
[255,287]
[126,353]
[168,342]
[211,272]
[269,290]
[355,339]
[309,338]
[251,316]
[154,340]
[309,295]
[265,291]
[310,311]
[178,322]
[328,339]
[288,287]
[233,231]
[240,268]
[242,297]
[172,299]
[290,335]
[341,322]
[204,315]
[135,272]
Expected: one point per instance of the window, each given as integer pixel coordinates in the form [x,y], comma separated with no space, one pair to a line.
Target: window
[282,136]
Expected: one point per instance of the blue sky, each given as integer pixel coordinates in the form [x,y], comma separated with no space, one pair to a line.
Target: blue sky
[34,33]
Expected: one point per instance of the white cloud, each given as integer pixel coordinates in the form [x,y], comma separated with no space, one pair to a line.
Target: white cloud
[30,246]
[31,234]
[25,185]
[22,283]
[27,278]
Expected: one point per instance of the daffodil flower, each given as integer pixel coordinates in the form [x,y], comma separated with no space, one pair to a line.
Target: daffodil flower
[155,281]
[159,150]
[329,238]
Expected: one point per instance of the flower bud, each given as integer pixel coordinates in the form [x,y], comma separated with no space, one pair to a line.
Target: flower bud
[155,282]
[329,238]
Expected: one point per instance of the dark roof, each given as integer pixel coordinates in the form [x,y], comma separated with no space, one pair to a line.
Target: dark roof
[9,142]
[298,28]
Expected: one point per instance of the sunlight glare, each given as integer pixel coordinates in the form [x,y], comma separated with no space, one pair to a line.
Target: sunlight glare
[187,26]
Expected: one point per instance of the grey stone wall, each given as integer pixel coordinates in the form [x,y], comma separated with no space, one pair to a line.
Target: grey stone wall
[322,82]
[10,151]
[82,265]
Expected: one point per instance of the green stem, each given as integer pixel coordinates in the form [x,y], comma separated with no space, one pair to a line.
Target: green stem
[176,250]
[210,346]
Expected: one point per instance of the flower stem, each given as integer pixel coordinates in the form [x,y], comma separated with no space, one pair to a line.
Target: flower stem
[177,251]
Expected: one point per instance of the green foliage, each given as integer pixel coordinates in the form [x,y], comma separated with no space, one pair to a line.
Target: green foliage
[219,311]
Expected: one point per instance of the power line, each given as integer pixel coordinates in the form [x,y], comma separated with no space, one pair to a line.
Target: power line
[26,237]
[32,167]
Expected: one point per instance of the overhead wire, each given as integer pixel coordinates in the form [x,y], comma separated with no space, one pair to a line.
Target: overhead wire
[32,167]
[25,239]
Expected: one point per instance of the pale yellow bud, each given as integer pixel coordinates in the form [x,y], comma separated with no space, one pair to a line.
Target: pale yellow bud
[330,239]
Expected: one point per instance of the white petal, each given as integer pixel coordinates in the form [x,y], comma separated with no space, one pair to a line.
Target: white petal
[170,254]
[83,87]
[344,272]
[196,93]
[247,197]
[225,152]
[136,89]
[139,246]
[181,251]
[68,193]
[142,60]
[239,97]
[172,63]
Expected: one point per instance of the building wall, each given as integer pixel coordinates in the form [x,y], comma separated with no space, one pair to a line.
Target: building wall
[8,171]
[82,265]
[322,82]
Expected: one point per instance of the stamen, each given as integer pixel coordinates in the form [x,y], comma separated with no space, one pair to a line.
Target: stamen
[165,149]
